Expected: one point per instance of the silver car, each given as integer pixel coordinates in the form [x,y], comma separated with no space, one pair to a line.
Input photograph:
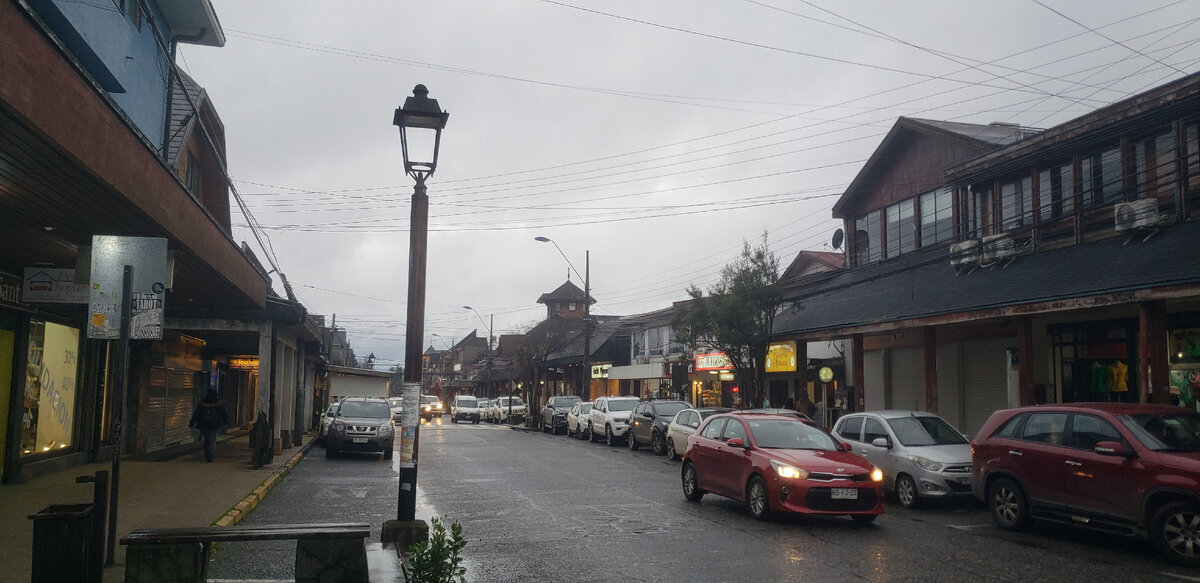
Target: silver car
[685,424]
[362,424]
[326,421]
[577,419]
[922,456]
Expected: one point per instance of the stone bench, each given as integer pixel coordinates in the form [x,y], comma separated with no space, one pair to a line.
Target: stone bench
[324,552]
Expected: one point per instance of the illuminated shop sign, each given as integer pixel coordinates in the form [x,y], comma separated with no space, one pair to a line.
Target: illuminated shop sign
[713,361]
[244,363]
[781,357]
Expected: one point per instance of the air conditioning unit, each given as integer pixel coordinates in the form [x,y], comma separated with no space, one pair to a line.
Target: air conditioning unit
[997,248]
[965,253]
[1137,214]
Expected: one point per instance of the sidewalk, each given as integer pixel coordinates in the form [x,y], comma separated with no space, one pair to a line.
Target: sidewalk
[183,491]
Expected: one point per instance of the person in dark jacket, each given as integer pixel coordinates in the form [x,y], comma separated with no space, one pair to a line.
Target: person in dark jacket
[209,417]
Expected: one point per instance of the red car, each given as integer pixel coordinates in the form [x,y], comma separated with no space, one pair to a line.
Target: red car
[1124,468]
[779,462]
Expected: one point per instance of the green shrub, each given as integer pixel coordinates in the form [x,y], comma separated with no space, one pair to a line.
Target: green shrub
[438,560]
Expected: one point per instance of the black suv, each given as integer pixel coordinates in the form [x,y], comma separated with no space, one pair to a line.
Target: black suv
[650,421]
[554,414]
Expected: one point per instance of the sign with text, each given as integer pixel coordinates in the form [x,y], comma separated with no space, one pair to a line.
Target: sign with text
[600,371]
[148,258]
[10,291]
[713,361]
[781,356]
[48,285]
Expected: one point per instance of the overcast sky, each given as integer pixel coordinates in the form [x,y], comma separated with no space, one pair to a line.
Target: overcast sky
[656,134]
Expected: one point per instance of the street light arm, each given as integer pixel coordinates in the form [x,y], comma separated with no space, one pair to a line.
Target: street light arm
[485,325]
[560,252]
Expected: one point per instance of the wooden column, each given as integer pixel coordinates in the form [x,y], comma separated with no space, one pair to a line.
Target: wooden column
[1025,361]
[801,371]
[1152,374]
[929,334]
[856,349]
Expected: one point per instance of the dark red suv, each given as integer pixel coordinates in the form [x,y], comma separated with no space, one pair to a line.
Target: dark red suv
[1125,468]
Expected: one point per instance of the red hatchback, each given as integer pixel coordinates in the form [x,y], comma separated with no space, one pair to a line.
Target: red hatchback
[1126,468]
[778,462]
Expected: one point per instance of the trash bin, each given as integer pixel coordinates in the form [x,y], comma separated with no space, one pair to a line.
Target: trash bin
[61,543]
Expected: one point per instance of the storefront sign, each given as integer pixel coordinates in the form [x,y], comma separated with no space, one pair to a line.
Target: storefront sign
[781,357]
[244,363]
[46,285]
[713,361]
[600,371]
[10,291]
[1185,346]
[48,418]
[725,375]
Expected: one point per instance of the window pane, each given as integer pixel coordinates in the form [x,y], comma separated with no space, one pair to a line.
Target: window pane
[901,234]
[867,236]
[936,217]
[1193,157]
[48,417]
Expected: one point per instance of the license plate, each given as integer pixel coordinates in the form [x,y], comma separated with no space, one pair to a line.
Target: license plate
[358,440]
[844,494]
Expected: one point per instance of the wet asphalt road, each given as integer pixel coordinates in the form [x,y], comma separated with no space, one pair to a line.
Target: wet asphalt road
[536,507]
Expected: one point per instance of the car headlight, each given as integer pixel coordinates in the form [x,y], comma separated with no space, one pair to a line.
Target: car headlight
[385,428]
[439,405]
[789,471]
[338,425]
[925,463]
[876,475]
[425,407]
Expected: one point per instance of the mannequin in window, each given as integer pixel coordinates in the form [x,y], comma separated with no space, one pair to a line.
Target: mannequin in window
[1118,380]
[1098,381]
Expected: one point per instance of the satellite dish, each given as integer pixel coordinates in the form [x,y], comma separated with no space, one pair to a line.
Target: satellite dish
[838,237]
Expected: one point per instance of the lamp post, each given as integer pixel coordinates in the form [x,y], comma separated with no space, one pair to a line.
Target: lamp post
[587,314]
[488,326]
[422,114]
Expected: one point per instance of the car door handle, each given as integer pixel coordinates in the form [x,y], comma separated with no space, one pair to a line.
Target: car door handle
[1074,464]
[1014,452]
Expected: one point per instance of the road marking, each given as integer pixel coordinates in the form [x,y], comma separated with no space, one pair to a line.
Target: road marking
[1180,577]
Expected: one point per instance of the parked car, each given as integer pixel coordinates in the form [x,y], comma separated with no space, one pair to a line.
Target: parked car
[361,424]
[1118,467]
[775,462]
[554,414]
[326,419]
[610,417]
[502,407]
[683,425]
[922,456]
[649,424]
[483,405]
[431,407]
[397,406]
[464,408]
[577,418]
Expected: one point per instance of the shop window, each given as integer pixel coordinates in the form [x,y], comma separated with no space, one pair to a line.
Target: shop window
[901,229]
[868,238]
[1016,203]
[657,341]
[48,410]
[1056,192]
[978,217]
[1154,165]
[1101,178]
[937,217]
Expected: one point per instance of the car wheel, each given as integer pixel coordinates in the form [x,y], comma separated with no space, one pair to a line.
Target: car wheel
[609,439]
[1010,510]
[756,498]
[906,491]
[1175,531]
[631,441]
[591,433]
[390,451]
[657,444]
[475,422]
[863,518]
[671,453]
[691,487]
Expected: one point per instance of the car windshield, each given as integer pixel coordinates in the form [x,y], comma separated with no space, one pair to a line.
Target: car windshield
[787,434]
[925,430]
[516,401]
[622,404]
[466,402]
[365,409]
[669,409]
[1166,431]
[428,399]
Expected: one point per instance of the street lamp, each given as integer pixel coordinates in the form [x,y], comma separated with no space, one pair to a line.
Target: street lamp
[488,326]
[587,314]
[420,115]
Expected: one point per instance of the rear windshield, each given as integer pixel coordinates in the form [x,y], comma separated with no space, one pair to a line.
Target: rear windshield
[669,409]
[365,409]
[918,431]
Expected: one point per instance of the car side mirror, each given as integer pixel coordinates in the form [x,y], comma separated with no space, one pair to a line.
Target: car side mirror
[882,442]
[843,446]
[1113,448]
[737,442]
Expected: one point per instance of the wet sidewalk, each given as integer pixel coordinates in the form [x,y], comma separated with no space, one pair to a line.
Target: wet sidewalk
[182,491]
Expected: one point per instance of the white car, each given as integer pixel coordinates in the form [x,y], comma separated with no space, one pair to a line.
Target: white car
[610,418]
[327,420]
[465,408]
[500,408]
[685,424]
[431,407]
[577,419]
[396,404]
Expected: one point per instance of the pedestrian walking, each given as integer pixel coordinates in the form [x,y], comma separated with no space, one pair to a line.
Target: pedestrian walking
[209,417]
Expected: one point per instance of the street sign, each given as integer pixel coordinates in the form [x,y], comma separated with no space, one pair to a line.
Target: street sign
[110,255]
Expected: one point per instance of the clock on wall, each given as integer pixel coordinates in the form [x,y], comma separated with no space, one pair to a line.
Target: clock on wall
[825,374]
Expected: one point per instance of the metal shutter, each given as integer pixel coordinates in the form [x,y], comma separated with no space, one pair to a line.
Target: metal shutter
[949,391]
[172,395]
[985,378]
[906,379]
[873,380]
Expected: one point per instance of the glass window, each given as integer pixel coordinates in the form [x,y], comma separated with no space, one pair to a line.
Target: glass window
[873,430]
[1045,428]
[1088,430]
[668,409]
[1102,178]
[48,414]
[1193,156]
[937,217]
[1166,431]
[657,341]
[1154,162]
[851,428]
[1056,192]
[901,229]
[1016,203]
[979,200]
[919,431]
[868,237]
[713,429]
[734,429]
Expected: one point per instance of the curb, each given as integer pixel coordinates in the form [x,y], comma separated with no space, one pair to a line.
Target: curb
[247,505]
